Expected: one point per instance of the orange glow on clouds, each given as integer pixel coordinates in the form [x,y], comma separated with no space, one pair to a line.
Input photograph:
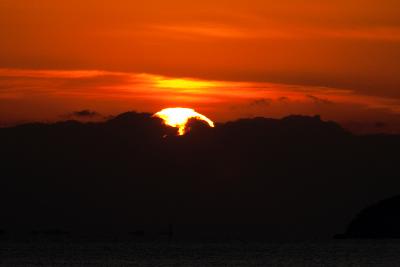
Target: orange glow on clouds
[178,117]
[47,95]
[348,44]
[183,83]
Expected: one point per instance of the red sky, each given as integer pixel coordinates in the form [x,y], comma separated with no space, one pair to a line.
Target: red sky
[227,59]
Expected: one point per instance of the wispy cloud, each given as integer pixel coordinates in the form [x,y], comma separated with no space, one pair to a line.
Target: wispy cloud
[33,91]
[86,113]
[319,100]
[276,31]
[206,30]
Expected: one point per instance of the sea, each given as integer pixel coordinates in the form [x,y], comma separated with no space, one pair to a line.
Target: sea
[124,252]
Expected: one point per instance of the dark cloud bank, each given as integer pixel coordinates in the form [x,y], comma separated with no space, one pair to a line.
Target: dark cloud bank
[298,177]
[85,113]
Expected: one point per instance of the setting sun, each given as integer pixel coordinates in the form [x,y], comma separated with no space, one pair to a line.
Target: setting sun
[178,117]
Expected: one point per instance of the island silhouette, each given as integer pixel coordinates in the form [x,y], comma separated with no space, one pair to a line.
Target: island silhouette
[380,220]
[291,178]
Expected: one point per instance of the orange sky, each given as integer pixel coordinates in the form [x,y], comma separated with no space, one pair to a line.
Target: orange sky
[340,59]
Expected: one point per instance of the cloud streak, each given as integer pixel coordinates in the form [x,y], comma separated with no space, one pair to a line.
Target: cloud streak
[265,30]
[86,113]
[30,94]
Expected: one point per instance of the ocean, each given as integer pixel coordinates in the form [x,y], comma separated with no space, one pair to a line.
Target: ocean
[184,253]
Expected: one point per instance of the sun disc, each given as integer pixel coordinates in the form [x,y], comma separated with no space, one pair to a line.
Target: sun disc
[178,117]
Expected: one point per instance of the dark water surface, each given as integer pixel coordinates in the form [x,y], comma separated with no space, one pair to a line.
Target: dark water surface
[235,253]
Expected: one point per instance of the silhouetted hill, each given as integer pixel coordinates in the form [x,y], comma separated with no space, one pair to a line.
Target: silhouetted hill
[381,220]
[132,118]
[296,177]
[298,126]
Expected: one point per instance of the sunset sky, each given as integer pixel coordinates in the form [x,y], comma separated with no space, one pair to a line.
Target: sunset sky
[226,59]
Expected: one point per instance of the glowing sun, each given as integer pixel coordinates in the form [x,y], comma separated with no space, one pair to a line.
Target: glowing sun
[178,117]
